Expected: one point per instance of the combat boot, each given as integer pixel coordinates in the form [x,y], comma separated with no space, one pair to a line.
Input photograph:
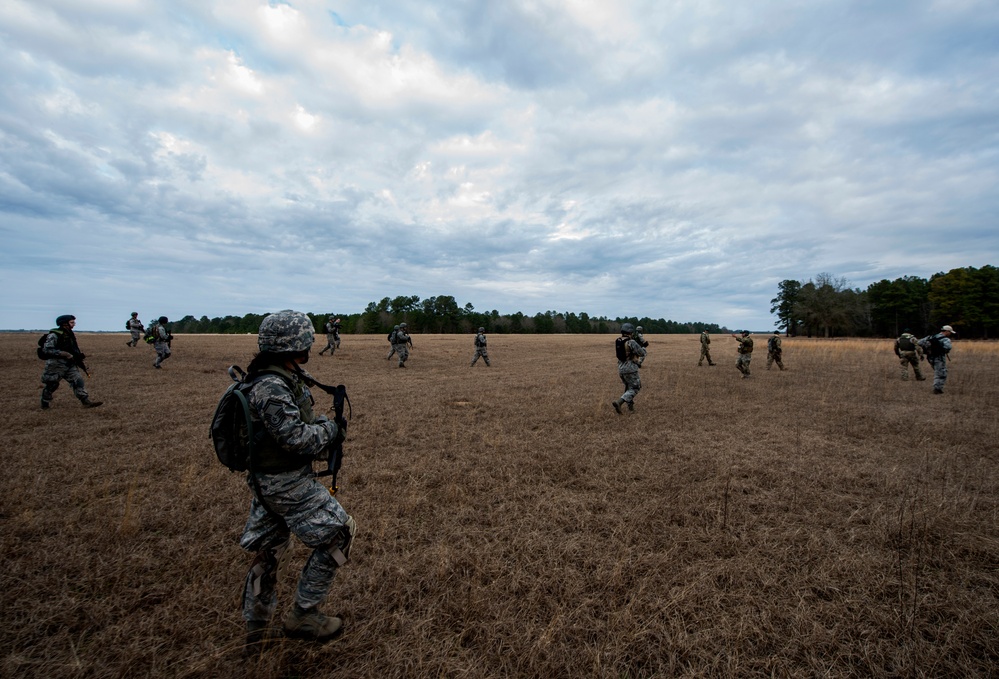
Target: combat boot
[631,405]
[45,404]
[311,624]
[87,403]
[617,405]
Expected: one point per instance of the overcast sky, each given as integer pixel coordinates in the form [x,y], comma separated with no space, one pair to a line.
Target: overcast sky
[660,158]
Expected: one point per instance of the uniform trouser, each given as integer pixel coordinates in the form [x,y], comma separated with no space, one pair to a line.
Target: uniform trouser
[332,345]
[939,372]
[705,354]
[391,353]
[774,357]
[162,352]
[480,351]
[298,504]
[742,364]
[632,385]
[403,351]
[907,358]
[135,338]
[56,370]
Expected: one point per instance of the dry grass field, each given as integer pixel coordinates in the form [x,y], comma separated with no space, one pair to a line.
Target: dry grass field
[830,520]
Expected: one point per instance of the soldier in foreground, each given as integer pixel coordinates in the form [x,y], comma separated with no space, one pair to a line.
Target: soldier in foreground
[937,349]
[63,361]
[287,497]
[629,353]
[332,329]
[162,339]
[480,347]
[705,349]
[774,351]
[403,343]
[135,327]
[909,353]
[745,352]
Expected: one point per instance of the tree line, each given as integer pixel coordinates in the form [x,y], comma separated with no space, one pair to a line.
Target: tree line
[443,314]
[965,298]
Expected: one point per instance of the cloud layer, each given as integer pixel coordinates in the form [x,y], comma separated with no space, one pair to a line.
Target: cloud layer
[668,159]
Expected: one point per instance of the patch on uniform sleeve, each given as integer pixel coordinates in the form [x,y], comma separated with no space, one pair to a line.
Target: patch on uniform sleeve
[272,413]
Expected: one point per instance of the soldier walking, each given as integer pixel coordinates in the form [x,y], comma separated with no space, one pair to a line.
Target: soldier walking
[135,327]
[937,349]
[628,352]
[391,339]
[774,351]
[403,343]
[480,347]
[745,352]
[287,496]
[332,329]
[909,353]
[705,349]
[63,361]
[162,340]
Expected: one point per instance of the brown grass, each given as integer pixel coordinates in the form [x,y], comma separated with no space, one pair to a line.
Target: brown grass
[829,520]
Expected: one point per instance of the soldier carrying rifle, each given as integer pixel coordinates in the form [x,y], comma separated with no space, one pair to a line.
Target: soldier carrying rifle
[63,361]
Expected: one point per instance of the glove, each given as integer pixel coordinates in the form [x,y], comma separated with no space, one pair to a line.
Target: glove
[341,429]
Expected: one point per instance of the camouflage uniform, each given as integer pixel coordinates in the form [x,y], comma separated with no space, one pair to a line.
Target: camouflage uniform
[774,352]
[332,329]
[391,338]
[745,354]
[403,342]
[286,496]
[705,349]
[480,347]
[136,328]
[628,353]
[938,360]
[161,343]
[57,367]
[907,356]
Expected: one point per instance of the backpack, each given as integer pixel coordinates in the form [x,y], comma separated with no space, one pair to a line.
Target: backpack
[771,345]
[621,348]
[150,335]
[232,426]
[391,337]
[41,345]
[932,347]
[127,326]
[479,342]
[905,343]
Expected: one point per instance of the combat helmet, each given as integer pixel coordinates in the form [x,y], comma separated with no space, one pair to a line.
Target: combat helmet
[482,329]
[627,328]
[64,319]
[286,331]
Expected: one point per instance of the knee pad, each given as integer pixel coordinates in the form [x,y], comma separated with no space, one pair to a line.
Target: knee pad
[265,567]
[339,548]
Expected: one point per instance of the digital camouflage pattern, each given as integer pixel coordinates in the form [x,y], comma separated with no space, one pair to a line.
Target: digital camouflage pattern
[745,355]
[402,344]
[135,328]
[291,502]
[939,363]
[161,344]
[774,352]
[628,371]
[58,368]
[909,353]
[705,349]
[480,347]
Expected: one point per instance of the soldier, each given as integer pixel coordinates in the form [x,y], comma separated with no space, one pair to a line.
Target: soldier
[162,340]
[640,338]
[774,351]
[332,336]
[745,352]
[287,497]
[628,352]
[705,349]
[909,353]
[937,349]
[136,328]
[403,343]
[480,347]
[63,361]
[391,339]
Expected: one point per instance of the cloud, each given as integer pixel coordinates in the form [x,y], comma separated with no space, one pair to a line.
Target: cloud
[666,159]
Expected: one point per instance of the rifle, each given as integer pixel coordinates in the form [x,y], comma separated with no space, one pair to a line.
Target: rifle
[339,394]
[78,361]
